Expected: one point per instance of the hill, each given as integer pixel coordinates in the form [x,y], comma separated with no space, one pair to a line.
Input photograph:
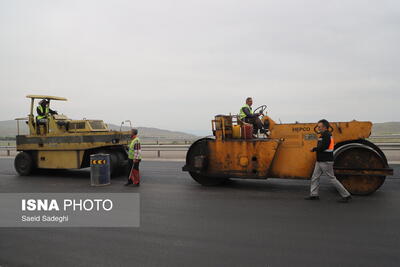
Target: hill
[149,132]
[9,129]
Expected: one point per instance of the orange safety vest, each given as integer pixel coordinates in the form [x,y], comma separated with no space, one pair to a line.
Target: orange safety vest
[331,145]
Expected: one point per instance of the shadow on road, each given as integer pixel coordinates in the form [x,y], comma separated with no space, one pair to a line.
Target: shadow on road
[81,174]
[262,186]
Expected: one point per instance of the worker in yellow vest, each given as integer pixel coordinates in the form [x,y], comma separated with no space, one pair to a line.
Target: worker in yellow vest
[247,115]
[134,158]
[43,112]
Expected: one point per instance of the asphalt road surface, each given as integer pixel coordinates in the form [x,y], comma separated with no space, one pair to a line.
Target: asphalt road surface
[243,223]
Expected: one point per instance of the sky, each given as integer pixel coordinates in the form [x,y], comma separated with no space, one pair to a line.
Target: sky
[175,64]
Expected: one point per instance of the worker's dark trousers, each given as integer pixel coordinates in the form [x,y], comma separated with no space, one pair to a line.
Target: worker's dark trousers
[130,165]
[257,124]
[134,174]
[41,122]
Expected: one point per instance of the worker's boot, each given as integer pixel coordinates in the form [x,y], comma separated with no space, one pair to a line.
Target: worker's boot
[129,182]
[344,199]
[312,198]
[264,133]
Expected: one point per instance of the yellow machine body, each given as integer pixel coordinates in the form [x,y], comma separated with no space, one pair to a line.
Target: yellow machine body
[63,143]
[285,153]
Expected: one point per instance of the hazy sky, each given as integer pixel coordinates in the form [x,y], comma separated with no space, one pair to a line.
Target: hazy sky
[175,64]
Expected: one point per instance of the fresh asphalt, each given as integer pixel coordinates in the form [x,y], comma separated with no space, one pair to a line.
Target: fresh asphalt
[243,223]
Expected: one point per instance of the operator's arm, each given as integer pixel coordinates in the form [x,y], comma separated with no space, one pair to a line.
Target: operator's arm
[324,144]
[248,113]
[39,112]
[52,112]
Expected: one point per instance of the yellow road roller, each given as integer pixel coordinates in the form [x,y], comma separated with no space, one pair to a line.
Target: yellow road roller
[285,153]
[56,142]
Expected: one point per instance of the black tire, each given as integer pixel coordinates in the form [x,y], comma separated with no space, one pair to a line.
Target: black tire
[24,164]
[197,148]
[114,165]
[355,155]
[123,166]
[366,143]
[122,159]
[200,148]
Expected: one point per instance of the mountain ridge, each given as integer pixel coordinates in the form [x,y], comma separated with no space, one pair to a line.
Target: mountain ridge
[8,128]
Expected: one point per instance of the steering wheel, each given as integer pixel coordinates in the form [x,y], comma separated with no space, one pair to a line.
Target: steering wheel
[330,129]
[262,108]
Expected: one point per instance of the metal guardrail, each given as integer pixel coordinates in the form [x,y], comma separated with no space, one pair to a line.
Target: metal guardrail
[387,136]
[166,148]
[171,148]
[158,148]
[8,149]
[388,146]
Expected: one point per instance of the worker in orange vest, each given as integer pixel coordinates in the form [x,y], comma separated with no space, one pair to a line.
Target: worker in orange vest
[324,164]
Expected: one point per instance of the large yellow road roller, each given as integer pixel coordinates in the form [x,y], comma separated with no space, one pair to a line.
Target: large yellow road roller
[285,153]
[57,142]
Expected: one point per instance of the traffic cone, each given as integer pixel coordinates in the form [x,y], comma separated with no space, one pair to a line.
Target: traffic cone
[131,175]
[136,177]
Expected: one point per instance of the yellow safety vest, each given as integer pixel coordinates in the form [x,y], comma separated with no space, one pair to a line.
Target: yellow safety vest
[39,117]
[243,115]
[131,153]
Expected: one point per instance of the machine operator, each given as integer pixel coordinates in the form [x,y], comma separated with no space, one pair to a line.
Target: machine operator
[43,112]
[246,114]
